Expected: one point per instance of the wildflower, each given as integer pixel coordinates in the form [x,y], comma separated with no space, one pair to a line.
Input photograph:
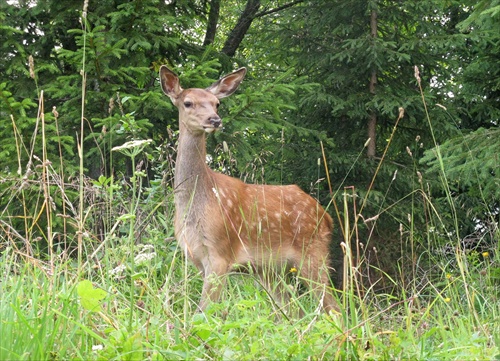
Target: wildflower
[485,254]
[293,270]
[132,144]
[448,276]
[145,247]
[97,347]
[117,271]
[447,300]
[143,258]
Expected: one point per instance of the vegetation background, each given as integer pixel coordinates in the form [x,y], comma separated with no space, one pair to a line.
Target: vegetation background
[386,111]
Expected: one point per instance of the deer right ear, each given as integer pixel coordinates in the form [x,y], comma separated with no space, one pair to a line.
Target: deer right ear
[227,85]
[170,83]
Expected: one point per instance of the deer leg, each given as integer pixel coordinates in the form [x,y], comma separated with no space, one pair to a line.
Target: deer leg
[212,282]
[316,278]
[275,286]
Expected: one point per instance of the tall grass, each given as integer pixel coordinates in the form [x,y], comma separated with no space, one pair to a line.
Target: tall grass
[142,295]
[129,293]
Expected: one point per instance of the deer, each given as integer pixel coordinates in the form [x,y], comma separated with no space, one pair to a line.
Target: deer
[221,222]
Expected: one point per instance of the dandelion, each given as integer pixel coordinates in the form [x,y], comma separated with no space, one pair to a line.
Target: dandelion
[485,254]
[293,270]
[447,300]
[448,276]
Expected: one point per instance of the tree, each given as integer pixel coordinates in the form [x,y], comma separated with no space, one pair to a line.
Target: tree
[468,159]
[362,55]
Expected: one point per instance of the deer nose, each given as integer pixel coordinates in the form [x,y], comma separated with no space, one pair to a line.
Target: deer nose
[215,121]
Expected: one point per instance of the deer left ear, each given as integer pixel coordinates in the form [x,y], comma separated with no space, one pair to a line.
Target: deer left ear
[170,83]
[227,85]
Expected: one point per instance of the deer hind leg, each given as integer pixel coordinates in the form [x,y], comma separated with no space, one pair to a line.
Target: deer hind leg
[315,275]
[275,285]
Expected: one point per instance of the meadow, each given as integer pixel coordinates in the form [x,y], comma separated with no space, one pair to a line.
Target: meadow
[92,291]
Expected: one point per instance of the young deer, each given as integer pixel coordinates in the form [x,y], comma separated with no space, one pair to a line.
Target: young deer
[221,221]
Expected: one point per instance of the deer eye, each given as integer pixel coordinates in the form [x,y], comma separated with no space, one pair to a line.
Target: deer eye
[188,104]
[217,105]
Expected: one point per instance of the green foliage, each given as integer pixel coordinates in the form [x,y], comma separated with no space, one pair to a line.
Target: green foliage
[470,165]
[90,297]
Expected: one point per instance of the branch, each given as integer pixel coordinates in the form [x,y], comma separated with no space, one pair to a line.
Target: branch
[240,29]
[279,8]
[249,14]
[213,19]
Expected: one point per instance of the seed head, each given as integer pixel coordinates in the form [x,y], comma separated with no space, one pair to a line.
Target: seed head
[31,62]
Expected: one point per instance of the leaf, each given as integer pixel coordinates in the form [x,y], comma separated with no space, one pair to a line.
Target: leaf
[90,297]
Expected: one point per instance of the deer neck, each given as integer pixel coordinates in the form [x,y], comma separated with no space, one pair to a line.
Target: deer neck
[192,175]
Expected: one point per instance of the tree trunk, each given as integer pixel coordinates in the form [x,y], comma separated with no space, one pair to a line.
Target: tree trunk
[372,120]
[238,33]
[213,19]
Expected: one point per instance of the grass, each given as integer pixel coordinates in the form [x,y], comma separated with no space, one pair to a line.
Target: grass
[137,300]
[46,316]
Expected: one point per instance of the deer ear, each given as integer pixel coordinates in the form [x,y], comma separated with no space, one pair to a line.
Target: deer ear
[170,83]
[227,85]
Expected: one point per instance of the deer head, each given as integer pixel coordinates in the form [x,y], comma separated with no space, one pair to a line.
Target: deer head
[198,107]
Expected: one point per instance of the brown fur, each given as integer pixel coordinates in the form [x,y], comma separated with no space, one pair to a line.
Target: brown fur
[221,221]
